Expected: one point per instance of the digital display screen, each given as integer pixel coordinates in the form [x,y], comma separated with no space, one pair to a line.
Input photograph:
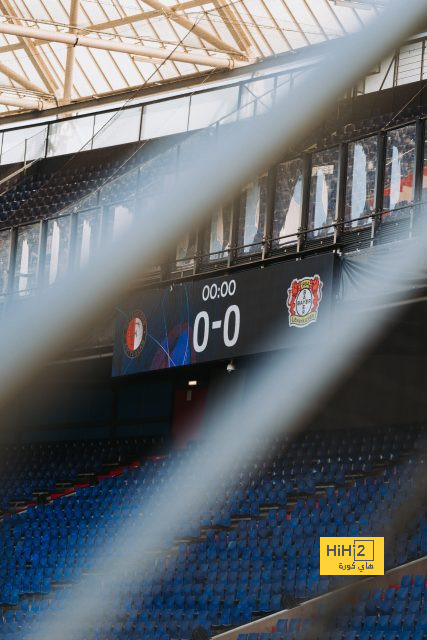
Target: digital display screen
[224,317]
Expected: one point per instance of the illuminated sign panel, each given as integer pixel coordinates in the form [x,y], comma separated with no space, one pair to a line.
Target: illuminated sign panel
[251,311]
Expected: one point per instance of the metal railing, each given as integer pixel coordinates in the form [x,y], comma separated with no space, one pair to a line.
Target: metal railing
[341,235]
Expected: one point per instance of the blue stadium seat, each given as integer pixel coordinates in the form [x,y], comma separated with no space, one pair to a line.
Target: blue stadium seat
[226,575]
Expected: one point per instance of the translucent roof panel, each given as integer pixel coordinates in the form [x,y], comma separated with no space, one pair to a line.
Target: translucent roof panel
[61,51]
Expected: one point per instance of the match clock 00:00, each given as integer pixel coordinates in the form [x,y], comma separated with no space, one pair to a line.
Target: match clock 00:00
[228,325]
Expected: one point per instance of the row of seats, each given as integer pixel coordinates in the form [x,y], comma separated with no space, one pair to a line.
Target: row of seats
[249,551]
[364,127]
[42,194]
[81,185]
[30,470]
[365,620]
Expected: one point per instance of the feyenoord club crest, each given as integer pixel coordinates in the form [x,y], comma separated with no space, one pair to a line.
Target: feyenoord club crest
[135,334]
[304,297]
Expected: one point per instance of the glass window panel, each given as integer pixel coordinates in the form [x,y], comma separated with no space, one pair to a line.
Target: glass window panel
[118,128]
[192,150]
[218,236]
[36,143]
[361,180]
[186,250]
[13,149]
[157,173]
[119,218]
[323,192]
[399,168]
[86,202]
[287,203]
[120,188]
[24,144]
[212,106]
[165,118]
[256,97]
[5,241]
[70,136]
[284,85]
[88,225]
[27,259]
[57,249]
[410,63]
[252,214]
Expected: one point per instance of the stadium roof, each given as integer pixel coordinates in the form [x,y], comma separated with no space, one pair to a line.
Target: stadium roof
[54,52]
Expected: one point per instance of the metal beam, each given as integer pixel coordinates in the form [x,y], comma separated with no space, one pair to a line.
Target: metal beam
[71,53]
[32,104]
[147,15]
[154,90]
[199,31]
[20,79]
[232,24]
[30,49]
[118,22]
[115,45]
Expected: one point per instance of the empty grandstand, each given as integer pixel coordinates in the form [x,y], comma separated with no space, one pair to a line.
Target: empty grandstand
[213,308]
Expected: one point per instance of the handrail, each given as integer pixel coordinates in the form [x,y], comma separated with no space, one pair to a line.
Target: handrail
[310,607]
[374,215]
[301,238]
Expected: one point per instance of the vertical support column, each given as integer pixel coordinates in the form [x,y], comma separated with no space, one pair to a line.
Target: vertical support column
[379,184]
[305,202]
[419,160]
[235,215]
[71,53]
[396,67]
[271,197]
[342,184]
[141,124]
[12,260]
[42,254]
[105,211]
[46,144]
[201,230]
[72,262]
[8,266]
[417,210]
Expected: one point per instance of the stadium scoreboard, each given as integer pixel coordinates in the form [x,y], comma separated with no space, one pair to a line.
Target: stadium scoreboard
[247,312]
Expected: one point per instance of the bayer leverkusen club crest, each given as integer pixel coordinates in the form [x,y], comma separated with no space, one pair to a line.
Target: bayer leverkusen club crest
[135,334]
[304,297]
